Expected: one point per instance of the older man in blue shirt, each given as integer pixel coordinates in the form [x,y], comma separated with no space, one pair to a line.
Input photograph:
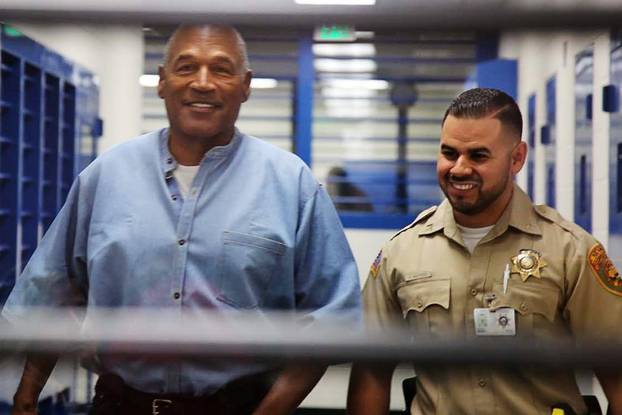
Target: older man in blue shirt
[191,217]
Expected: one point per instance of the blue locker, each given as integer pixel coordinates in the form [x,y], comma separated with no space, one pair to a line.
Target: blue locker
[584,85]
[548,140]
[48,129]
[615,158]
[531,143]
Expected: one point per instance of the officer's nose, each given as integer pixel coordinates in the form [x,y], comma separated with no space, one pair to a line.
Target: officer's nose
[461,167]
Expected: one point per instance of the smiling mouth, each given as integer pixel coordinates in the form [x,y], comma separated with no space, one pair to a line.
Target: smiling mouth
[201,105]
[463,186]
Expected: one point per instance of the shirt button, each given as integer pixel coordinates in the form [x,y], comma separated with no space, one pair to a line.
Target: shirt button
[169,160]
[176,295]
[174,197]
[482,383]
[194,192]
[523,307]
[181,242]
[473,292]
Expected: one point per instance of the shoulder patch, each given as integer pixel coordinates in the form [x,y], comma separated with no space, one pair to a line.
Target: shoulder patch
[604,270]
[375,267]
[420,217]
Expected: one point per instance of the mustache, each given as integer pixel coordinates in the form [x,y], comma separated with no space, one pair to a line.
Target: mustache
[462,179]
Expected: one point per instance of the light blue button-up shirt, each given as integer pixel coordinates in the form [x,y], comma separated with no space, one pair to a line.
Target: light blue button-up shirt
[256,231]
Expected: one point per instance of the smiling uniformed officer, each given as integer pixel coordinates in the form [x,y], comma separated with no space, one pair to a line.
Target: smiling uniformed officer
[487,262]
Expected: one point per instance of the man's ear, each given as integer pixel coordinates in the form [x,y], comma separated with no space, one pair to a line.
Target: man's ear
[162,81]
[248,76]
[519,155]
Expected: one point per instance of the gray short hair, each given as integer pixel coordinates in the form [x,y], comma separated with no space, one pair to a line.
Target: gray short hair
[241,44]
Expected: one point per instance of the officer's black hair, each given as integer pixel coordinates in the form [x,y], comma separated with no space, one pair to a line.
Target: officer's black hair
[485,102]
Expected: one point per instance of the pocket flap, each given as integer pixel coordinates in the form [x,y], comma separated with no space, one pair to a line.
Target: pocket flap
[230,237]
[526,299]
[422,293]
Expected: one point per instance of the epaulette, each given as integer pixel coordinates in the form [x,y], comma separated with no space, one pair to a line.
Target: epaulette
[421,216]
[554,216]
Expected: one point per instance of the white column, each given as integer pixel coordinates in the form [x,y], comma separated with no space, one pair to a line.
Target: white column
[600,142]
[120,65]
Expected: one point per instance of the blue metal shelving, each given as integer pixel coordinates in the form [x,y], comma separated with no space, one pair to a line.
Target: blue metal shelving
[48,129]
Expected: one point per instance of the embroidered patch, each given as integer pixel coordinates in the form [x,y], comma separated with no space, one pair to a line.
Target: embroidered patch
[375,267]
[604,270]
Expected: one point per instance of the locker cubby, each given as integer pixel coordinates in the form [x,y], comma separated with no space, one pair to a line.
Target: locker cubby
[48,107]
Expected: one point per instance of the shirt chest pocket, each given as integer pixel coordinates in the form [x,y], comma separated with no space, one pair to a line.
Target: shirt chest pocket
[247,266]
[535,305]
[425,303]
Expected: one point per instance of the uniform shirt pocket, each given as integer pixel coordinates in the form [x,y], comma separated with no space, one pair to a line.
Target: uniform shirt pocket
[536,306]
[526,300]
[248,264]
[418,292]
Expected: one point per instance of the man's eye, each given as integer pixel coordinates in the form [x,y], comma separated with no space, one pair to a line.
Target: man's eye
[479,156]
[184,68]
[448,154]
[223,70]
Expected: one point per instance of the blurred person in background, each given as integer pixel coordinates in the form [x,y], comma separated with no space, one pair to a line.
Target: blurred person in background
[196,216]
[487,262]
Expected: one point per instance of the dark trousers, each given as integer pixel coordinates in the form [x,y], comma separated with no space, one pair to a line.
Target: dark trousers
[239,397]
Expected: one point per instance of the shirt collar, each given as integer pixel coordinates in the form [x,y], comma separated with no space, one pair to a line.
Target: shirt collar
[519,215]
[168,162]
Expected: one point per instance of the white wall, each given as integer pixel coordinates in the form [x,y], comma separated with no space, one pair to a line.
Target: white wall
[541,55]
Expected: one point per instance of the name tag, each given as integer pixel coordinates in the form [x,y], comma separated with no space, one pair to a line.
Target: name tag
[501,322]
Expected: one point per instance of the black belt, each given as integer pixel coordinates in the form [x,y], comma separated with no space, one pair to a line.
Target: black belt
[239,397]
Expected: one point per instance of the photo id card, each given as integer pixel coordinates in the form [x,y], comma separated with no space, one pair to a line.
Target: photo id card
[500,322]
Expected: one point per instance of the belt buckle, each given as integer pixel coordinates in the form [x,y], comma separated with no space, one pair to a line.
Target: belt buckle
[158,404]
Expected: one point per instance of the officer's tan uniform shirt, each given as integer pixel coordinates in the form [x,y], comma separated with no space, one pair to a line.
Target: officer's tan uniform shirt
[427,277]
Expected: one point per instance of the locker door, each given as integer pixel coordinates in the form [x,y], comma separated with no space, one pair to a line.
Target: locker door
[548,139]
[531,143]
[615,161]
[10,99]
[584,85]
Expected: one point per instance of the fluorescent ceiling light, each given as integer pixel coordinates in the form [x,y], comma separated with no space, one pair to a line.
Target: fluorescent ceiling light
[349,112]
[364,34]
[338,2]
[371,84]
[149,81]
[342,93]
[264,83]
[345,65]
[356,50]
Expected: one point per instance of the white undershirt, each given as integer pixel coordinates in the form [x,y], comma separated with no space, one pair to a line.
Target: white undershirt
[472,236]
[184,175]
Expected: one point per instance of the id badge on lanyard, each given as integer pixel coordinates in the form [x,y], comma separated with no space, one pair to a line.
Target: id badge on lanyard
[500,322]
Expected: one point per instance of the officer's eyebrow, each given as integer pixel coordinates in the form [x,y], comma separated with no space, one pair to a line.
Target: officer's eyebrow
[470,150]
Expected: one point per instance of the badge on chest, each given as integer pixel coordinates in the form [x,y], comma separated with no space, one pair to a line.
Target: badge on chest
[500,322]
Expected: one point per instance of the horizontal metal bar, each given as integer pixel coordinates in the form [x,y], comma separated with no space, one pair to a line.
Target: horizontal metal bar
[279,337]
[395,15]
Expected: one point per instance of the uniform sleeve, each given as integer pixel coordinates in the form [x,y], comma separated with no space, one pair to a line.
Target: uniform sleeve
[381,306]
[594,295]
[326,276]
[56,273]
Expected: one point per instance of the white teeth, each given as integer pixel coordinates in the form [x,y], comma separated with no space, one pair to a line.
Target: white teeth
[463,186]
[201,105]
